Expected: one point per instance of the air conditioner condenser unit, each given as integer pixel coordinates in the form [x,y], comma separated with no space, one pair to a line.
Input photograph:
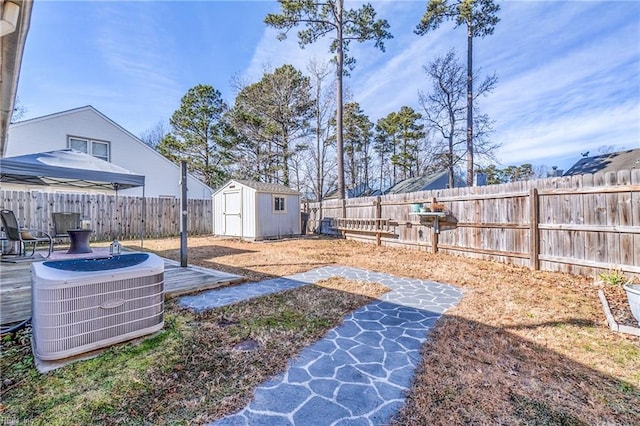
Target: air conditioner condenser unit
[82,305]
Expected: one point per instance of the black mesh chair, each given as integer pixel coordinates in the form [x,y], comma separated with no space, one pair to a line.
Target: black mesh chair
[25,237]
[62,222]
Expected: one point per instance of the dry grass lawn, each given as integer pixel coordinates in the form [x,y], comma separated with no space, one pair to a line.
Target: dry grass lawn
[199,368]
[523,347]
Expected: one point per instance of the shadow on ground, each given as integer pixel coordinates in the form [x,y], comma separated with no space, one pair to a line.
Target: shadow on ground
[473,373]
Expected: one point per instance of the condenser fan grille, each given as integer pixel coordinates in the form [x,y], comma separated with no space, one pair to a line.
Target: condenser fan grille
[97,312]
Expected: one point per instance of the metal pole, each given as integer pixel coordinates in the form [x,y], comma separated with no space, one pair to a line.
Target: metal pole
[144,218]
[183,216]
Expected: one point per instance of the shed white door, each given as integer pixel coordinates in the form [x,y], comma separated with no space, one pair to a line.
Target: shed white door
[233,213]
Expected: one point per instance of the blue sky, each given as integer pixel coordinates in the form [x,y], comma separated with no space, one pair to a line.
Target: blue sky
[568,71]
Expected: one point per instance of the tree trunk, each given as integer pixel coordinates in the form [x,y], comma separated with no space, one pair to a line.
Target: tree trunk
[286,156]
[366,165]
[319,159]
[395,177]
[339,74]
[469,104]
[381,169]
[450,161]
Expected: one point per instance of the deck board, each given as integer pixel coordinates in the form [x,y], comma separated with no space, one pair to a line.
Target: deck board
[15,285]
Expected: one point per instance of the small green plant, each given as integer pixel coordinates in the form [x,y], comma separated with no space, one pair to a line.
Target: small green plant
[614,277]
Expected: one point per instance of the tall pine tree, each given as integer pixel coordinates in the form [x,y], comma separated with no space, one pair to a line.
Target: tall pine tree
[480,18]
[321,18]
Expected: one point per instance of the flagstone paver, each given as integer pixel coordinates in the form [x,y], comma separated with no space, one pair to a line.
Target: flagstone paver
[359,372]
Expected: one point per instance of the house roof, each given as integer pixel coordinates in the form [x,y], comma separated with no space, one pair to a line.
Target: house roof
[439,180]
[361,190]
[75,111]
[11,49]
[265,187]
[611,162]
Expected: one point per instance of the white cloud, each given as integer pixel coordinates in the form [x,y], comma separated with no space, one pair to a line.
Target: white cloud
[271,53]
[568,72]
[566,136]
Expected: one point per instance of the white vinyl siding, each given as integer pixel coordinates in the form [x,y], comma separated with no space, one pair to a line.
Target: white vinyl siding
[49,133]
[264,215]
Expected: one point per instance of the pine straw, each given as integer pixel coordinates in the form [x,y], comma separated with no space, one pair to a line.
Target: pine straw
[522,347]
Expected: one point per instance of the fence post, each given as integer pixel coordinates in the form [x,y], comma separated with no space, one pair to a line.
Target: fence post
[534,231]
[183,215]
[435,231]
[378,204]
[434,239]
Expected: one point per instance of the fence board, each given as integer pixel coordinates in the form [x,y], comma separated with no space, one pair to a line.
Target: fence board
[635,217]
[110,216]
[578,224]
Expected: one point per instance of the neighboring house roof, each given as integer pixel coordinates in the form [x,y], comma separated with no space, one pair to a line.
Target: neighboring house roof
[11,49]
[439,180]
[361,190]
[611,162]
[275,188]
[76,110]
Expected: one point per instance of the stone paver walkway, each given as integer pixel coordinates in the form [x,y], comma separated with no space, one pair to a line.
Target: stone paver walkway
[359,372]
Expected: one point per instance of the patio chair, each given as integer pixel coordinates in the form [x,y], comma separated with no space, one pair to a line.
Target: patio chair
[24,236]
[62,222]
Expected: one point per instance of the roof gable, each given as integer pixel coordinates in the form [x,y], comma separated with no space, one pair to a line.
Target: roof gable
[88,108]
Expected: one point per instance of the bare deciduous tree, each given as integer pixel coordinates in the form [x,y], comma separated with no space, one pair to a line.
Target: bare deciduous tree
[154,135]
[480,18]
[445,111]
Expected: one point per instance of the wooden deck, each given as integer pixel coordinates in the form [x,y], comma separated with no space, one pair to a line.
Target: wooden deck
[15,285]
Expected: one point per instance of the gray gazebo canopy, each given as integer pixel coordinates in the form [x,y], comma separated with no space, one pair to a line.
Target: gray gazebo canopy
[72,168]
[67,167]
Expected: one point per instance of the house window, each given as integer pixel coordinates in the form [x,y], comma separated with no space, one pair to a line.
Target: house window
[98,149]
[81,145]
[278,205]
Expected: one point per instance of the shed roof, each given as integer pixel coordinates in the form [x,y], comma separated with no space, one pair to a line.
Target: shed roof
[275,188]
[611,162]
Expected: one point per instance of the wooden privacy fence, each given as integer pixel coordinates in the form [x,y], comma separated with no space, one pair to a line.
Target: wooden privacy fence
[578,224]
[110,216]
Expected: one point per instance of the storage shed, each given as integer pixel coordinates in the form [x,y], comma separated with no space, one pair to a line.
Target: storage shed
[256,210]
